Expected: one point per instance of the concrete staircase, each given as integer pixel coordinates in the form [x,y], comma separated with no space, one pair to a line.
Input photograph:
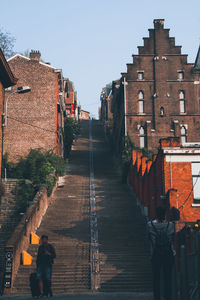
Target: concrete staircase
[124,250]
[67,225]
[124,256]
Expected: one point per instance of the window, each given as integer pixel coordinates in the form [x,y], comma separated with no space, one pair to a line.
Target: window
[182,106]
[183,135]
[162,111]
[196,181]
[141,106]
[181,95]
[140,75]
[180,75]
[142,137]
[141,95]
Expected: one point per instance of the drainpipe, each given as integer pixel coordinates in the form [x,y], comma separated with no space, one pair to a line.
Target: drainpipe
[154,81]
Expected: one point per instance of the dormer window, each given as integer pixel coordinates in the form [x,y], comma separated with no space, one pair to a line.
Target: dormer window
[180,75]
[140,75]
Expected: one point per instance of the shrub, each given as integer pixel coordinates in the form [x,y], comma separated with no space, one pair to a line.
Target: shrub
[71,131]
[40,168]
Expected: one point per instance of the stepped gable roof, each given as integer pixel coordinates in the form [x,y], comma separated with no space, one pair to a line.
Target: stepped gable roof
[197,61]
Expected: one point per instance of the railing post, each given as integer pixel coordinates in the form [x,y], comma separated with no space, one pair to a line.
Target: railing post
[184,288]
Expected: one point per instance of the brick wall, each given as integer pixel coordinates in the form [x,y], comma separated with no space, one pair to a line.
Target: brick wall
[163,182]
[32,117]
[1,112]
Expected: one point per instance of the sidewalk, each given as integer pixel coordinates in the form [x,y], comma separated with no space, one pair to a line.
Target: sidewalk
[102,296]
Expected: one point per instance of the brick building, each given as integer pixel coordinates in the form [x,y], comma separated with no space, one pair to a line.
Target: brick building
[35,120]
[171,179]
[70,99]
[106,98]
[84,115]
[7,79]
[162,92]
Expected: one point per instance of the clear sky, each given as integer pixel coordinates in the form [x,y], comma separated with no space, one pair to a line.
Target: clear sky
[92,40]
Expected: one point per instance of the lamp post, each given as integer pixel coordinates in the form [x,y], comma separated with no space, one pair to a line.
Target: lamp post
[125,83]
[20,90]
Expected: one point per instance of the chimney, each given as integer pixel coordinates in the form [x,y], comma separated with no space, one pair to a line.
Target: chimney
[35,55]
[158,23]
[170,142]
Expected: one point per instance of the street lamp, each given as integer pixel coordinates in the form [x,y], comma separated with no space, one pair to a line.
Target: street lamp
[20,90]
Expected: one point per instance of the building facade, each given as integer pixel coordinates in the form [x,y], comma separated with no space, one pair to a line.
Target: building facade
[71,99]
[7,80]
[161,91]
[84,115]
[35,120]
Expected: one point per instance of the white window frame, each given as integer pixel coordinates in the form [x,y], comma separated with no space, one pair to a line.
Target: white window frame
[183,135]
[196,182]
[180,75]
[141,95]
[182,106]
[141,106]
[181,95]
[142,137]
[140,75]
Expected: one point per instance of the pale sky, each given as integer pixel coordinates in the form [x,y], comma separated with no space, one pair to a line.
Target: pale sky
[92,40]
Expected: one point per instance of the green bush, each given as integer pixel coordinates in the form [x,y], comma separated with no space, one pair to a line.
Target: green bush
[71,131]
[25,193]
[40,168]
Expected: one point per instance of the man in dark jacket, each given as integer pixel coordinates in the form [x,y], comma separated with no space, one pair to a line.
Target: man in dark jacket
[161,234]
[45,258]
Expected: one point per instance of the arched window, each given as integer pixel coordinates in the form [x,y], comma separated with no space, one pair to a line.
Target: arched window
[182,101]
[183,135]
[141,102]
[141,95]
[181,95]
[162,111]
[142,137]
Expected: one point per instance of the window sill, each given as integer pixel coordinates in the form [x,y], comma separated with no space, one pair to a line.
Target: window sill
[195,204]
[141,114]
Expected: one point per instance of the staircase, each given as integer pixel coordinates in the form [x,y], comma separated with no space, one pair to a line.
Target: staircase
[124,256]
[67,225]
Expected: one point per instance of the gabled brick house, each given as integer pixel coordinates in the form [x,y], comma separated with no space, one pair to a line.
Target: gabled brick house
[7,79]
[161,91]
[35,120]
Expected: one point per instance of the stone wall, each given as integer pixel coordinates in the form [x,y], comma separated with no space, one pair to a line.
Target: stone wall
[20,238]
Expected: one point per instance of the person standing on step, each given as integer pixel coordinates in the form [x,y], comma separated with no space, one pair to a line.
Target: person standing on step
[45,258]
[161,234]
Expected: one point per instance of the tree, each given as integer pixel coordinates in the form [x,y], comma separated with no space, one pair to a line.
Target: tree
[7,42]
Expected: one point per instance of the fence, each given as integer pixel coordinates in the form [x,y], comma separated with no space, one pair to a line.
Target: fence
[188,263]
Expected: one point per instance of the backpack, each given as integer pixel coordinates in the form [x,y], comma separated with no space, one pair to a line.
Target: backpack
[162,245]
